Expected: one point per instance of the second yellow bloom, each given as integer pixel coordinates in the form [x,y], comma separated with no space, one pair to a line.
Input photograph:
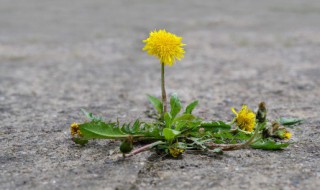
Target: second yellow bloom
[245,118]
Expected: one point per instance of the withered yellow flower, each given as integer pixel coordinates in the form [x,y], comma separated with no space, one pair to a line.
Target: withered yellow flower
[282,133]
[75,130]
[175,152]
[164,45]
[245,118]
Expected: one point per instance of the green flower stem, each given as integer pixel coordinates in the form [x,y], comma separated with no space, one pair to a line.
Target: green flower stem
[144,148]
[240,130]
[227,147]
[163,89]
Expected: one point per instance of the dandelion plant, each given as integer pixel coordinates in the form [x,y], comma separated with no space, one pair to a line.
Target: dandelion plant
[178,130]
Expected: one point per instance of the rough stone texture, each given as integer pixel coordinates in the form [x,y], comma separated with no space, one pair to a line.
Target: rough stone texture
[59,56]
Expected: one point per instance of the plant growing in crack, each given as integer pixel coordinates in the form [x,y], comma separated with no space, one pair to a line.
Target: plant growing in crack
[179,130]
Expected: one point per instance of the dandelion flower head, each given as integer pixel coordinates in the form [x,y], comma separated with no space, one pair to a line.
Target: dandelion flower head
[287,135]
[245,118]
[167,47]
[175,152]
[75,129]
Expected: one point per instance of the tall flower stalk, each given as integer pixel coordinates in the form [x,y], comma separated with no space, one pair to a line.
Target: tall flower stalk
[167,47]
[163,90]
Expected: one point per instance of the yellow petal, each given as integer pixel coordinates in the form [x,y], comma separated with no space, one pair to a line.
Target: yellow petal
[234,111]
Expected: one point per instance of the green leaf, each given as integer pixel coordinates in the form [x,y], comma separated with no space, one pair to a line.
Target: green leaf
[191,106]
[156,103]
[186,126]
[186,122]
[102,130]
[217,151]
[289,121]
[242,136]
[269,145]
[198,142]
[223,135]
[184,117]
[90,116]
[215,126]
[80,141]
[217,129]
[170,134]
[136,126]
[126,128]
[152,130]
[180,125]
[134,129]
[181,145]
[168,119]
[175,105]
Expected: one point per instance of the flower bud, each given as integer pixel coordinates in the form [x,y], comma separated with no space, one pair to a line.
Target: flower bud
[261,113]
[275,126]
[126,146]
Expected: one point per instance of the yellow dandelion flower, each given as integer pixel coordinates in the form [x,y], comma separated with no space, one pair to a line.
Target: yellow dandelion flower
[75,130]
[245,118]
[164,45]
[287,135]
[175,152]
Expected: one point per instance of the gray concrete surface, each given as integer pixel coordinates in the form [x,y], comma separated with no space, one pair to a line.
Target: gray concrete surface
[59,56]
